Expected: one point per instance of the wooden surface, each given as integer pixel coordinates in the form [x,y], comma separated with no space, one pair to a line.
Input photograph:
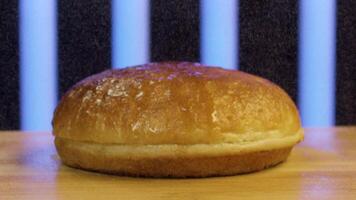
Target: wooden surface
[321,167]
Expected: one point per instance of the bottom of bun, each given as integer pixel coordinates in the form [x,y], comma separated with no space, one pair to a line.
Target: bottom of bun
[174,160]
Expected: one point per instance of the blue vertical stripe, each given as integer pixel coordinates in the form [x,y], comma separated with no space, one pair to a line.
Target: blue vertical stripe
[130,32]
[317,62]
[219,33]
[38,74]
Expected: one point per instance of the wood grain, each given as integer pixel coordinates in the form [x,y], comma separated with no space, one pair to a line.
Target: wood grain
[323,166]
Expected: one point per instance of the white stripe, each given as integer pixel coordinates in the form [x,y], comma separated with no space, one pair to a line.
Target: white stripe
[317,62]
[130,32]
[38,64]
[219,33]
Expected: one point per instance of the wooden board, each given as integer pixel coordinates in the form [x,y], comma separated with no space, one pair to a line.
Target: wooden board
[321,167]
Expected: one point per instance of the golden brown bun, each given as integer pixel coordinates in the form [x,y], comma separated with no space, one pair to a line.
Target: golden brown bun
[180,163]
[174,105]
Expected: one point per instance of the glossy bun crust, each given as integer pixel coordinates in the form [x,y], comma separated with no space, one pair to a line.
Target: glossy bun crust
[175,119]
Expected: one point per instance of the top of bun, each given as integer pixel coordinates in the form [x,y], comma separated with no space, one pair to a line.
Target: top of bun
[174,103]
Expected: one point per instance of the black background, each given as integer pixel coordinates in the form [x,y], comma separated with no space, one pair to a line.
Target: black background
[268,45]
